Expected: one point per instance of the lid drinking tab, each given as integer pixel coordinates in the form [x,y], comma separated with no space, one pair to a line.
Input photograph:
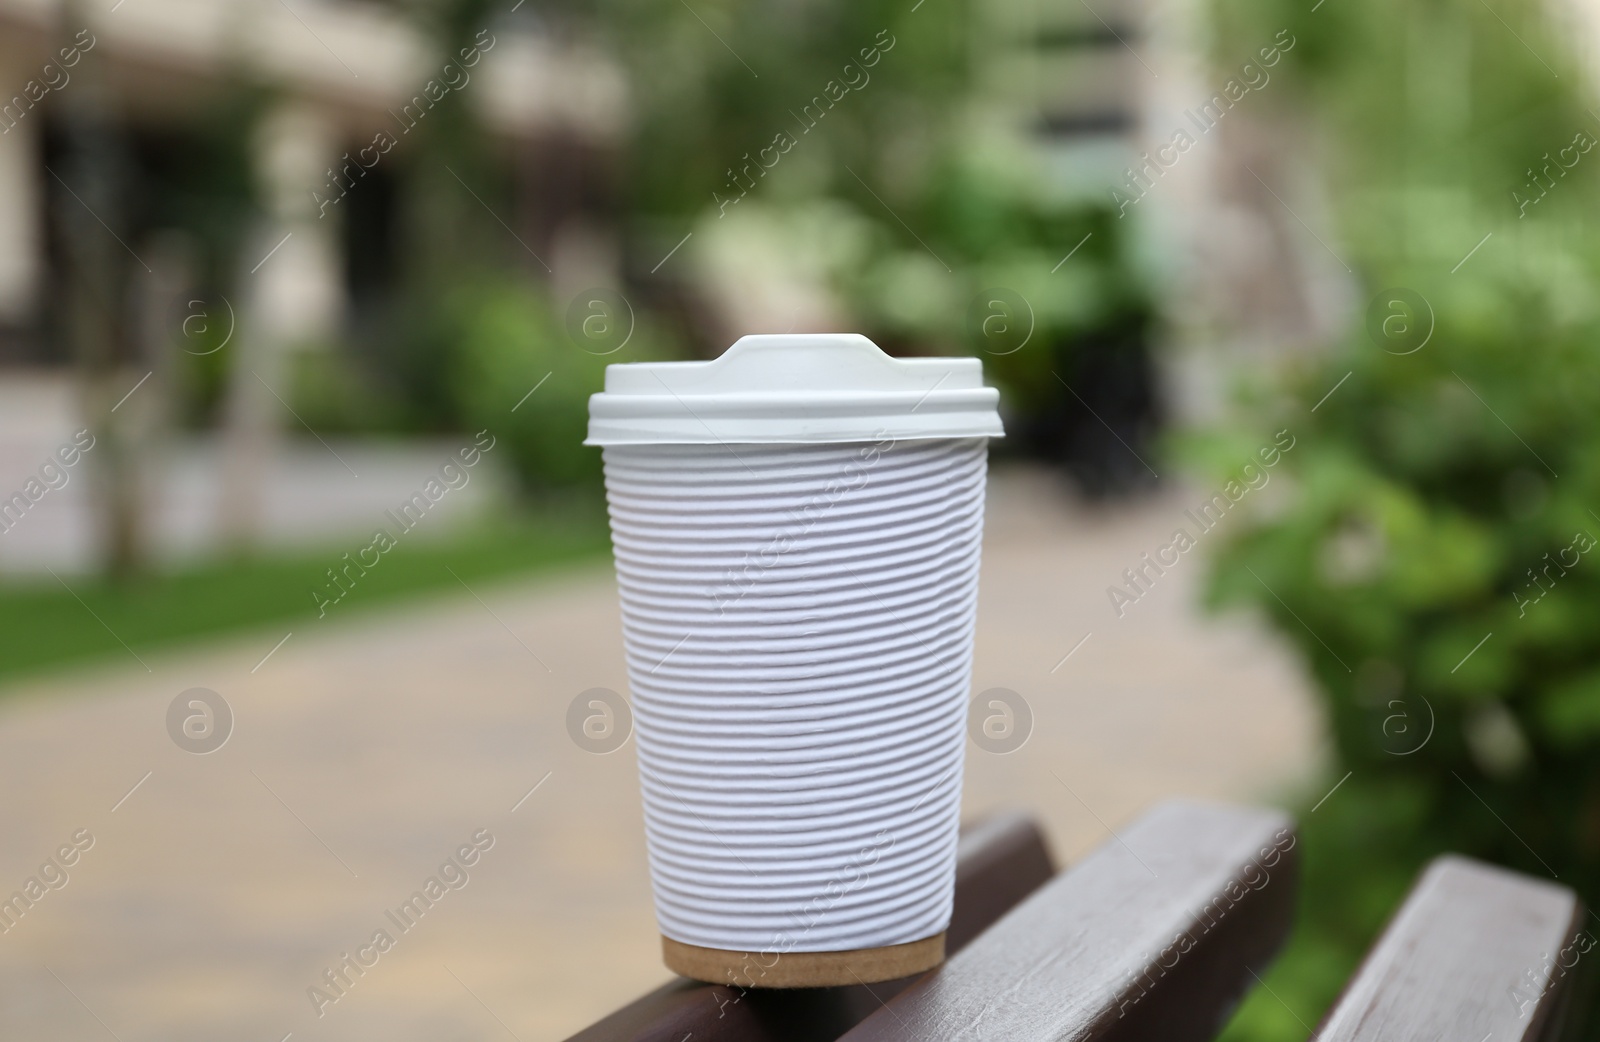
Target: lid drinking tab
[799,388]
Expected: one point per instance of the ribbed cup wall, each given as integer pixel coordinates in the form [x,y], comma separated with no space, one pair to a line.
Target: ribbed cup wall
[798,622]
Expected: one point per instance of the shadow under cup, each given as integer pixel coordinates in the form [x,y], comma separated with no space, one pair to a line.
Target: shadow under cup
[798,620]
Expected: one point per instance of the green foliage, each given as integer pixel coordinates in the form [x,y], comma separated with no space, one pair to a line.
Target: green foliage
[901,199]
[890,194]
[497,359]
[721,80]
[993,219]
[508,344]
[1432,570]
[333,395]
[1425,543]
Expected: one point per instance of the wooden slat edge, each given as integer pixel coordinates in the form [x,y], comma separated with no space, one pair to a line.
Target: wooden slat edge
[1473,950]
[1153,935]
[1000,860]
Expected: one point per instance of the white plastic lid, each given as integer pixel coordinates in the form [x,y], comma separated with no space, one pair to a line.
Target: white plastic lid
[801,387]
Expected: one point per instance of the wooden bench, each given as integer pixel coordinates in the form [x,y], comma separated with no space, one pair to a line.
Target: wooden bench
[1158,934]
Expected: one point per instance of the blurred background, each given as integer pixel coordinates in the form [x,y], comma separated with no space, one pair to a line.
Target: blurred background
[304,572]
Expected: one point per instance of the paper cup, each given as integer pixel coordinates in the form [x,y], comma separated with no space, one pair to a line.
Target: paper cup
[798,618]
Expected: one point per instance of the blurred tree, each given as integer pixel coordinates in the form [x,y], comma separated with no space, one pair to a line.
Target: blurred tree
[839,141]
[96,294]
[860,135]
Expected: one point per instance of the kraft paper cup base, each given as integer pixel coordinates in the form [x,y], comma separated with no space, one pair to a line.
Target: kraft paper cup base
[802,969]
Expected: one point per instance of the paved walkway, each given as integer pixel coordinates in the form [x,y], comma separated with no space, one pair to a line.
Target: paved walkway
[219,888]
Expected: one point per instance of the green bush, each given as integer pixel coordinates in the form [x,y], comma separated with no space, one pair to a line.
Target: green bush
[507,344]
[492,356]
[999,222]
[1434,572]
[333,394]
[1426,545]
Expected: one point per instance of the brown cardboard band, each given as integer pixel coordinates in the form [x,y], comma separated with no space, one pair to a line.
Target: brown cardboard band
[802,969]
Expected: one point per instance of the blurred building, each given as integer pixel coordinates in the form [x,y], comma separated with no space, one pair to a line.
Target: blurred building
[1101,89]
[349,82]
[146,144]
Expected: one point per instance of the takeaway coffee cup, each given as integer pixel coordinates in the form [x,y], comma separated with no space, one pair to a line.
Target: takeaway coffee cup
[796,527]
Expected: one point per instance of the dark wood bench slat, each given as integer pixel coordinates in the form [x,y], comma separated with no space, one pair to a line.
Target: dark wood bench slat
[1475,951]
[999,862]
[1154,935]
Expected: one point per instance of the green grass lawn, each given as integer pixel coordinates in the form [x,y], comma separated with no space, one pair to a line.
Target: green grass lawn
[45,624]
